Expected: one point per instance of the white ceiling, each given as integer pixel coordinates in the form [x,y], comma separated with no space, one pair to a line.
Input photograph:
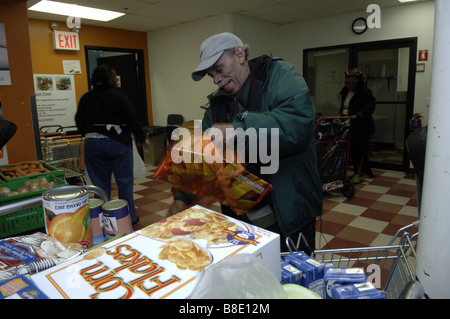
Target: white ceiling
[148,15]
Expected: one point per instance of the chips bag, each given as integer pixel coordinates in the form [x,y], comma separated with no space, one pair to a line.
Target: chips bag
[200,174]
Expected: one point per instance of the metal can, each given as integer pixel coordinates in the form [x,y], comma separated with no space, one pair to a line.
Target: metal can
[67,215]
[98,235]
[116,218]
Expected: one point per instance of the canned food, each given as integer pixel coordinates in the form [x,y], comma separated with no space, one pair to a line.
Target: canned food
[98,235]
[116,218]
[67,215]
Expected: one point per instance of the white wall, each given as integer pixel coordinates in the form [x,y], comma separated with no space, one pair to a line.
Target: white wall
[174,52]
[412,20]
[173,55]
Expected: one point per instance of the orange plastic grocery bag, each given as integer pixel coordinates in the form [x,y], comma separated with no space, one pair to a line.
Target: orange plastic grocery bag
[199,174]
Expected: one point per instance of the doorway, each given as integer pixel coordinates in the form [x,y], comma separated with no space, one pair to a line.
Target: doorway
[389,70]
[129,65]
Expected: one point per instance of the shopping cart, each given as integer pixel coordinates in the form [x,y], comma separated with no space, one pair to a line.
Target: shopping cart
[63,150]
[332,147]
[390,268]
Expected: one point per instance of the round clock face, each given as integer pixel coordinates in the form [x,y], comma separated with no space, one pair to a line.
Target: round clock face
[359,25]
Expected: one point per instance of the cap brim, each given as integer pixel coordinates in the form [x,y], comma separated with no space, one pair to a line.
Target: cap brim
[204,66]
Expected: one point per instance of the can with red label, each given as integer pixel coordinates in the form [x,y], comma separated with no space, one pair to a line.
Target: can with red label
[116,218]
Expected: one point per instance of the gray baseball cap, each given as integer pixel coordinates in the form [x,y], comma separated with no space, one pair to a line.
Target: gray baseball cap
[212,49]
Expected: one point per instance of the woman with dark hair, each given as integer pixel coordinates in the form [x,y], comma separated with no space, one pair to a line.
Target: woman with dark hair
[107,119]
[358,103]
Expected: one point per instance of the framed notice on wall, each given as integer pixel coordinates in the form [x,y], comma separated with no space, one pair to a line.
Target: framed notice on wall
[5,76]
[55,100]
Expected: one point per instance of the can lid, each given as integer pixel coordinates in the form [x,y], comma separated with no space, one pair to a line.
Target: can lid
[64,193]
[95,202]
[114,204]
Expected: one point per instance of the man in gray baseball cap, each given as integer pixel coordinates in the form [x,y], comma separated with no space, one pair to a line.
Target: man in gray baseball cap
[262,94]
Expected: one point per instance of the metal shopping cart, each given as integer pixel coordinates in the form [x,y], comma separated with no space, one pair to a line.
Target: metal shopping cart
[390,267]
[332,147]
[63,150]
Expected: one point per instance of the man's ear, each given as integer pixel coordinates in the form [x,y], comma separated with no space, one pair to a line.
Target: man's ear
[240,53]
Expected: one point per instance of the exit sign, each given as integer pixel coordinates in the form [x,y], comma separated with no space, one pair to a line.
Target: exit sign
[63,40]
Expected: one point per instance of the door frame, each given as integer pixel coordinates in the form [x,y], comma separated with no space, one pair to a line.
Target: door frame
[354,48]
[139,54]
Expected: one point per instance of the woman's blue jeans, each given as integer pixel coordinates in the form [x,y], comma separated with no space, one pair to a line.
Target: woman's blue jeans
[104,157]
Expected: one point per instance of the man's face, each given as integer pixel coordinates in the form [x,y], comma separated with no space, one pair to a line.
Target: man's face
[230,71]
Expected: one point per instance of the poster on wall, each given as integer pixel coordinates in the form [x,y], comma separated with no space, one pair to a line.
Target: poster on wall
[55,100]
[5,76]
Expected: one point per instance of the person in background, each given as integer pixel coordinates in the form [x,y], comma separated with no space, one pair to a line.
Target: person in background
[266,92]
[416,145]
[358,103]
[107,119]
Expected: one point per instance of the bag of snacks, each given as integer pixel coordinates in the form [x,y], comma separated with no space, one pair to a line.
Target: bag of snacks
[198,170]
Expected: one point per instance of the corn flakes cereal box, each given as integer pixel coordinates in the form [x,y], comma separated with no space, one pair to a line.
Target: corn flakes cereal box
[160,261]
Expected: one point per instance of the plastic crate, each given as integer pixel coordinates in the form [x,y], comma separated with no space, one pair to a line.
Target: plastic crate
[53,171]
[26,219]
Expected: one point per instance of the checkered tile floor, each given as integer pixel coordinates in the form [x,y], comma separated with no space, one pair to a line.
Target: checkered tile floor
[380,206]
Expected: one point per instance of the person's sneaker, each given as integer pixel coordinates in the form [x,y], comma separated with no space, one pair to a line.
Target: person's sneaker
[357,179]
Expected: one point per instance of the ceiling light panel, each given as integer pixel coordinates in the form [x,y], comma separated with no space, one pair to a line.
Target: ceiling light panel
[74,10]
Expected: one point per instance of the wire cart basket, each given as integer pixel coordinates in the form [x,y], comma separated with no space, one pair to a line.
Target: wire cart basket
[332,147]
[64,151]
[390,268]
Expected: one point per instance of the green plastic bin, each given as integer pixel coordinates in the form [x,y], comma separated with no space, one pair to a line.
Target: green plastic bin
[53,171]
[27,219]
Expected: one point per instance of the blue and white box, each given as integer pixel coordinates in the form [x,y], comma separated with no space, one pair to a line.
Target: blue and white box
[340,276]
[313,271]
[20,287]
[356,291]
[290,274]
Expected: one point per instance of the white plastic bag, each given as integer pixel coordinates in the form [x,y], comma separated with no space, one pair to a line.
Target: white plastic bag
[138,163]
[241,276]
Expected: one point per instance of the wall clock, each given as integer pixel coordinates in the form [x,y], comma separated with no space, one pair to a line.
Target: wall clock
[359,25]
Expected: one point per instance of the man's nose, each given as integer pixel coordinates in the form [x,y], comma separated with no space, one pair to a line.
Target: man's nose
[216,79]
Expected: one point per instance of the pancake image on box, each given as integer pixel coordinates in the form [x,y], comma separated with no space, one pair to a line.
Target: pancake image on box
[116,218]
[98,236]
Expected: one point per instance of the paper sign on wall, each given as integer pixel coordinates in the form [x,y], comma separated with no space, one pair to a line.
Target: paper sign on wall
[55,99]
[5,75]
[71,66]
